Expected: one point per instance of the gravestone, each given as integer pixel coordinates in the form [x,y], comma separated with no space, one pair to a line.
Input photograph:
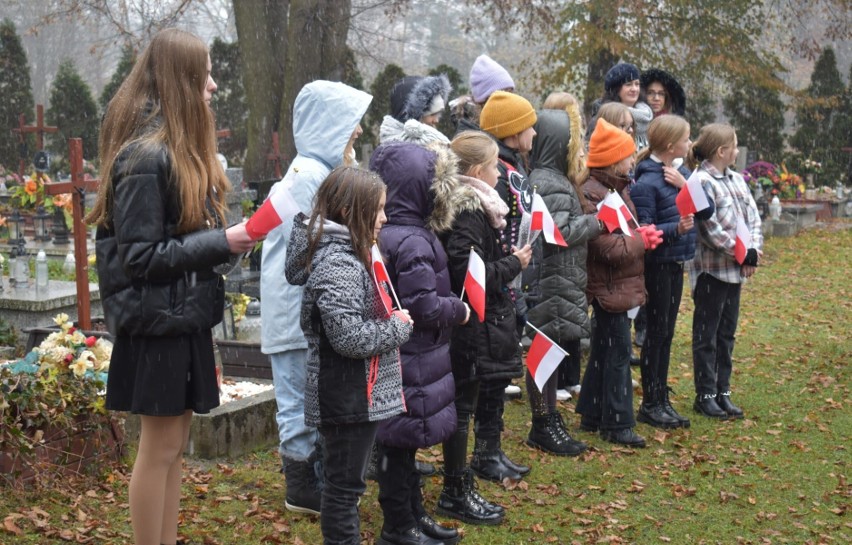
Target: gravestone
[804,214]
[28,307]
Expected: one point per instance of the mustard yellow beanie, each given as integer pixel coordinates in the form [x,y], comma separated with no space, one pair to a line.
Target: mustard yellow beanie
[506,114]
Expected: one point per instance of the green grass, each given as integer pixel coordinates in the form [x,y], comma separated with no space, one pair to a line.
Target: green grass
[778,476]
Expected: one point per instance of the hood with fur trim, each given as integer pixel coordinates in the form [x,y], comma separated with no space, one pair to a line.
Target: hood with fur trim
[412,96]
[422,183]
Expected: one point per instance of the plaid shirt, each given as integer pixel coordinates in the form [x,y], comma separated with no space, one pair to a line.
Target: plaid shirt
[714,252]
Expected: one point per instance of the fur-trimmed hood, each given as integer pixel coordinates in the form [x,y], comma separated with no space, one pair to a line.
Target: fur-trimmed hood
[393,130]
[412,96]
[677,97]
[474,195]
[422,183]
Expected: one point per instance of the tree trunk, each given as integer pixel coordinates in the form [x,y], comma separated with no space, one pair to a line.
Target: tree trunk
[261,30]
[316,49]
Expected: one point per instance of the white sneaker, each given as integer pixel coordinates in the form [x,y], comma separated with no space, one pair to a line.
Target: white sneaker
[512,391]
[562,395]
[574,390]
[635,384]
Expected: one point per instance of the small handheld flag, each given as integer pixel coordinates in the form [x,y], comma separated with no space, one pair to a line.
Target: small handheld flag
[474,284]
[614,213]
[275,210]
[380,275]
[543,221]
[743,241]
[691,198]
[543,357]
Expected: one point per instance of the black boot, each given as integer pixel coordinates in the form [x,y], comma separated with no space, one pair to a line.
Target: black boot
[488,464]
[667,405]
[521,469]
[303,490]
[706,404]
[444,534]
[547,435]
[724,402]
[412,536]
[459,500]
[656,416]
[625,436]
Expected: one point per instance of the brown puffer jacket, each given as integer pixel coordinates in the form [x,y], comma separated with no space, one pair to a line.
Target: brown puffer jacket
[616,262]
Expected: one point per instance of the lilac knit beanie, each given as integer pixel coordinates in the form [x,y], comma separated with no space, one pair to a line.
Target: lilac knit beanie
[486,76]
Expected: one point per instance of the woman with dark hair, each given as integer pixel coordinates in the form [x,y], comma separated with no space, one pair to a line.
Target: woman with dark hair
[663,92]
[621,84]
[160,214]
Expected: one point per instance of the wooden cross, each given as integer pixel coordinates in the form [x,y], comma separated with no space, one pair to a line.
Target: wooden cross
[275,155]
[78,187]
[39,128]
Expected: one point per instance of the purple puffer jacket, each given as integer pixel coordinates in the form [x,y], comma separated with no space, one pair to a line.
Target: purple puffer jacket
[420,185]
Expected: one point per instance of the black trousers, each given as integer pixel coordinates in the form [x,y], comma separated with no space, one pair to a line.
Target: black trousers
[714,325]
[606,398]
[455,447]
[664,284]
[346,451]
[399,488]
[489,408]
[569,368]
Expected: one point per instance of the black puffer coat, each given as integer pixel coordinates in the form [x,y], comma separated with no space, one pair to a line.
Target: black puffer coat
[562,312]
[486,350]
[152,280]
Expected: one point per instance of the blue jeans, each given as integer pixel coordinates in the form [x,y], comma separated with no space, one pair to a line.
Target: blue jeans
[296,440]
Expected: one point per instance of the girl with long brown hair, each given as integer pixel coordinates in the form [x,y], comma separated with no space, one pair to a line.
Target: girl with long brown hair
[161,214]
[353,378]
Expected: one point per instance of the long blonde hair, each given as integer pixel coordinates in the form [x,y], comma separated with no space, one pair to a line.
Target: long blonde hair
[710,138]
[663,131]
[161,103]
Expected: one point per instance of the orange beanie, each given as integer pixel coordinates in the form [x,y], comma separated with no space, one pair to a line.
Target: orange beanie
[506,114]
[608,145]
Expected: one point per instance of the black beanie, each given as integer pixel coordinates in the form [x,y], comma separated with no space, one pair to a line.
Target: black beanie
[618,75]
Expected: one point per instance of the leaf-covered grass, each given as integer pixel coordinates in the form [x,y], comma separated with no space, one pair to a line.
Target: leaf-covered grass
[778,476]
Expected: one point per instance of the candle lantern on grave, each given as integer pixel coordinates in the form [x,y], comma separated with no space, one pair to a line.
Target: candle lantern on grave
[60,228]
[16,227]
[42,224]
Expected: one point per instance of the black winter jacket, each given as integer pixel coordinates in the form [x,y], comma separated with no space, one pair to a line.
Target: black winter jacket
[486,350]
[152,280]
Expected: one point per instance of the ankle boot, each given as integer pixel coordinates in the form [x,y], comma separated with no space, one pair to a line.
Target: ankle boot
[723,400]
[303,492]
[667,405]
[488,464]
[547,436]
[706,404]
[445,534]
[521,469]
[459,501]
[411,536]
[656,416]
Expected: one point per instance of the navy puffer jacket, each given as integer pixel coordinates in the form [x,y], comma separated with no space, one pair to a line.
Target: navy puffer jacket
[420,183]
[654,200]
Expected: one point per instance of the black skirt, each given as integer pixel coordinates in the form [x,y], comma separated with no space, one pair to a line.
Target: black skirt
[163,376]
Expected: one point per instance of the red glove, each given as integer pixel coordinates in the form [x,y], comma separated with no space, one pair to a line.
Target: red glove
[651,236]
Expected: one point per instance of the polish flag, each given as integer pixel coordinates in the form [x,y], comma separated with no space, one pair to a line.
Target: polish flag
[380,274]
[543,357]
[474,284]
[275,210]
[691,198]
[614,213]
[743,241]
[543,221]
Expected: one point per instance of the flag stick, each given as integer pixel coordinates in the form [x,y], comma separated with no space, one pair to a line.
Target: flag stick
[529,227]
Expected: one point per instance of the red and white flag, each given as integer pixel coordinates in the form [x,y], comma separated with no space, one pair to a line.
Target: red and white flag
[543,357]
[543,221]
[380,276]
[614,213]
[275,210]
[691,198]
[743,241]
[474,284]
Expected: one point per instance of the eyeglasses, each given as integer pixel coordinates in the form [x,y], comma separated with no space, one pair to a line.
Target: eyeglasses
[656,94]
